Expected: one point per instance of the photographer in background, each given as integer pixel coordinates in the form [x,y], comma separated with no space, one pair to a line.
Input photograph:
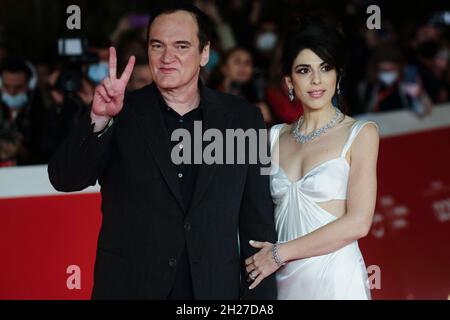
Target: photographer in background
[98,54]
[71,87]
[21,114]
[391,85]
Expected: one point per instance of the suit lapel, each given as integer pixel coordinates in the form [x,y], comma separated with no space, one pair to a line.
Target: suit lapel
[151,123]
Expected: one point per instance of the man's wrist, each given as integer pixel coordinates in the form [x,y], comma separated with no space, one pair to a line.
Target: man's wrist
[101,132]
[100,123]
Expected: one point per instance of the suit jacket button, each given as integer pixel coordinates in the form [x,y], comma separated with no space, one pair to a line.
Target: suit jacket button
[172,262]
[187,226]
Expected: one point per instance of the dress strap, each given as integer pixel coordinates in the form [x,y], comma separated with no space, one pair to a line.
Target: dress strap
[275,134]
[354,130]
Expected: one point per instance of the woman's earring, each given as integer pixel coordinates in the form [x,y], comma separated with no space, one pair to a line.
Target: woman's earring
[338,89]
[291,94]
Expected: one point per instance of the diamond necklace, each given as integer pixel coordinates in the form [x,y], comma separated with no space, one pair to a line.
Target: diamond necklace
[303,138]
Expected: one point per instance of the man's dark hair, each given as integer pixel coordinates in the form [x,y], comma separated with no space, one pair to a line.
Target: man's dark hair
[203,22]
[15,65]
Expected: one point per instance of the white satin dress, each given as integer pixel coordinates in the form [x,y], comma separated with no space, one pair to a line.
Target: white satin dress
[339,275]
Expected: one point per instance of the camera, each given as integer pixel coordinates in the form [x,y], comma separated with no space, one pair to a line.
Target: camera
[73,55]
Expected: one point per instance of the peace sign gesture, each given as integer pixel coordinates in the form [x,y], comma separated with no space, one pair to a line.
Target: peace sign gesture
[109,94]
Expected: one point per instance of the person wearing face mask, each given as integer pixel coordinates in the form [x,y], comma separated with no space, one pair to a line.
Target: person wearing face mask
[98,71]
[265,44]
[21,115]
[266,41]
[387,88]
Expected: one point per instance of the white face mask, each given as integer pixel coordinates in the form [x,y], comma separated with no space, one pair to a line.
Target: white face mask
[388,77]
[98,72]
[266,41]
[15,102]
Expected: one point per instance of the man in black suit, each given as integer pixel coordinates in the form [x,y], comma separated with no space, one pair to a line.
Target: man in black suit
[169,230]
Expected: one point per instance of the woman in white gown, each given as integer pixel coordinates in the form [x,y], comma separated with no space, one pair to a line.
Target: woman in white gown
[323,179]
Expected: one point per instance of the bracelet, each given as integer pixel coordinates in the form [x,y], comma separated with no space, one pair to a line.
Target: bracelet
[275,256]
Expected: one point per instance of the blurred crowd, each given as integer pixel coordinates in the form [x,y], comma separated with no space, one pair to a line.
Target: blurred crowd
[396,67]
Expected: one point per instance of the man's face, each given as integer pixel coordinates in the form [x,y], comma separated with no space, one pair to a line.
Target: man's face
[14,83]
[174,54]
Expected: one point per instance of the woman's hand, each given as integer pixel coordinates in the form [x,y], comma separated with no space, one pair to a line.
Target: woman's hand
[261,264]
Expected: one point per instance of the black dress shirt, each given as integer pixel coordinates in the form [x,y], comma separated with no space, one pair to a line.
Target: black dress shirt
[187,177]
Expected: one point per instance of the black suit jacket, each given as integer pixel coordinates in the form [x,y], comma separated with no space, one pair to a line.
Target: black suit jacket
[145,225]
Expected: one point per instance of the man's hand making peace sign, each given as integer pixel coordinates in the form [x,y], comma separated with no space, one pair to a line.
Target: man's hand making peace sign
[109,94]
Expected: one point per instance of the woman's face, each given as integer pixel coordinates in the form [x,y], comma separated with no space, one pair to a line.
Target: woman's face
[239,66]
[313,80]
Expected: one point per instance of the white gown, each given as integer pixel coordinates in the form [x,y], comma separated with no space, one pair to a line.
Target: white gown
[339,275]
